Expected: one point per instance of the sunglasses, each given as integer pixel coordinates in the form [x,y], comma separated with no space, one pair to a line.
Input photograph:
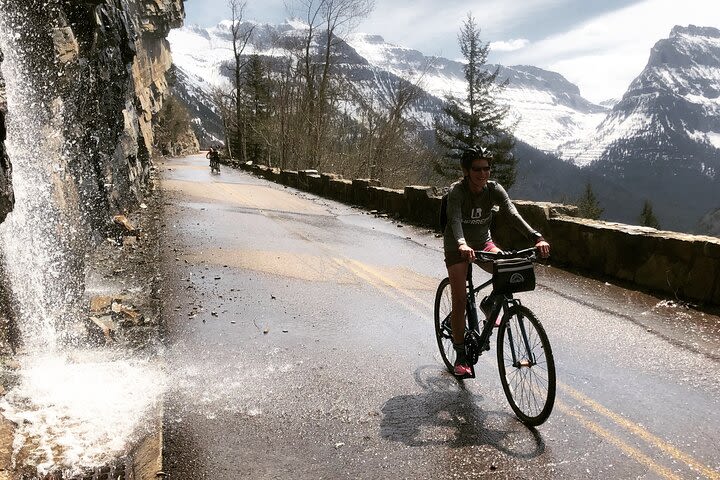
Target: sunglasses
[480,169]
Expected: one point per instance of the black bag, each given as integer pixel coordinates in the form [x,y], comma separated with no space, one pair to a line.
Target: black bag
[513,275]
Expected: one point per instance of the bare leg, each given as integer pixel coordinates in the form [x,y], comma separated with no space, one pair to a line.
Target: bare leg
[457,274]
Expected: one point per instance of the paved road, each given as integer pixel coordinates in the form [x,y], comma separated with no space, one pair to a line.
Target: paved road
[300,345]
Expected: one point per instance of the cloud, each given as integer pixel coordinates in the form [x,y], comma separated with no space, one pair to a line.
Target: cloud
[432,26]
[604,54]
[509,45]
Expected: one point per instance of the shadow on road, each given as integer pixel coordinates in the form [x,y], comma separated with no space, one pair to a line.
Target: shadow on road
[447,413]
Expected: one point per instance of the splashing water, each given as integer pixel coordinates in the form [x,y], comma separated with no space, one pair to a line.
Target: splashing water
[40,236]
[85,410]
[74,408]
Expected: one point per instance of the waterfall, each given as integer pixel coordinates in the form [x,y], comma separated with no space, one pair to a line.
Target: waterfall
[40,238]
[75,408]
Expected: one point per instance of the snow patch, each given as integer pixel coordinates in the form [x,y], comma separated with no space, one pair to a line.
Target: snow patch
[713,138]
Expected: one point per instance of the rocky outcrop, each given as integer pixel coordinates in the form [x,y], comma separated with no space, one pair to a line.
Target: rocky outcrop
[93,74]
[86,78]
[105,63]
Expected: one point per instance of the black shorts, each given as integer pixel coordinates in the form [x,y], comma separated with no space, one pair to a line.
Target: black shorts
[454,257]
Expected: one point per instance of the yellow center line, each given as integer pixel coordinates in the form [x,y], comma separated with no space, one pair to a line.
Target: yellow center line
[348,264]
[390,283]
[642,433]
[628,450]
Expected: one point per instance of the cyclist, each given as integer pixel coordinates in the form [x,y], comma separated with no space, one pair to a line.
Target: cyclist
[214,155]
[469,211]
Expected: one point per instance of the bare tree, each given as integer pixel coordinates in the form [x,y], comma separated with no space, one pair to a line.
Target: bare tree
[326,21]
[241,35]
[224,103]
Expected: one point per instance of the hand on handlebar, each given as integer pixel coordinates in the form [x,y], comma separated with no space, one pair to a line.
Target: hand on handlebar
[544,248]
[467,253]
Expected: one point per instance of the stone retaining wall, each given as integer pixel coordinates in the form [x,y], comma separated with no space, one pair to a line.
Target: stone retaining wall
[684,266]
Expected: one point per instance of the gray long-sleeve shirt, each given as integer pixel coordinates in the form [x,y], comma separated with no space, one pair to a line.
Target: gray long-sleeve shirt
[469,215]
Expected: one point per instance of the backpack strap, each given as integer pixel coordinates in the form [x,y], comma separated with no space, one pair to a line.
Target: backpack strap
[443,212]
[491,184]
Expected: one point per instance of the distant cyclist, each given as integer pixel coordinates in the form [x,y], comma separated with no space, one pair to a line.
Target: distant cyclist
[214,156]
[469,211]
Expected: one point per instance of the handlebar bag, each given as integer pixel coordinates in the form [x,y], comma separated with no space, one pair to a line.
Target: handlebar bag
[513,275]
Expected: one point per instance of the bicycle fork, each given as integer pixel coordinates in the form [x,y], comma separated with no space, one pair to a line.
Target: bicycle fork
[524,361]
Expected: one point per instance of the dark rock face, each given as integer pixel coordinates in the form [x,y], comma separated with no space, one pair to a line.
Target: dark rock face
[107,61]
[6,192]
[94,72]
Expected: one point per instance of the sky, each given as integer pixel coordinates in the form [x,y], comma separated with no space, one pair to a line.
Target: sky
[600,45]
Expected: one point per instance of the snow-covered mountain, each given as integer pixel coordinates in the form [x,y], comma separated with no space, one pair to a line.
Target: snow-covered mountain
[662,140]
[673,103]
[547,109]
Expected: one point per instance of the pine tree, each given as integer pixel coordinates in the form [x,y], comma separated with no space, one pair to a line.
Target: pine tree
[588,206]
[257,90]
[171,124]
[476,119]
[647,217]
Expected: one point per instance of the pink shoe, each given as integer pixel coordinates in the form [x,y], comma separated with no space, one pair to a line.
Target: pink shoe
[462,370]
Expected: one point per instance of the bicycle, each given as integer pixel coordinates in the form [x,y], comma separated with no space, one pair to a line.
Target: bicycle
[525,359]
[215,166]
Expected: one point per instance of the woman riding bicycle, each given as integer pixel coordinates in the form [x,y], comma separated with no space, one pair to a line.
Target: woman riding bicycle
[469,211]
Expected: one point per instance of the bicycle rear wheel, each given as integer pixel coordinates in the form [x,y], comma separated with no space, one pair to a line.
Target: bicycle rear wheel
[443,331]
[526,365]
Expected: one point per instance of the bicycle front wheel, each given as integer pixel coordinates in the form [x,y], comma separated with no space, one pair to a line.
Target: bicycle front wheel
[526,365]
[443,331]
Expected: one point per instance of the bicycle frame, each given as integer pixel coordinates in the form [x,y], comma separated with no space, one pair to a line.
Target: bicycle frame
[483,336]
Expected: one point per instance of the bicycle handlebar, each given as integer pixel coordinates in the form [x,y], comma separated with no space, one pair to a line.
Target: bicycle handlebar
[528,253]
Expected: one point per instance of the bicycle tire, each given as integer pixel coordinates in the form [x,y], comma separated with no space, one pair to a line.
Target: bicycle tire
[443,332]
[529,385]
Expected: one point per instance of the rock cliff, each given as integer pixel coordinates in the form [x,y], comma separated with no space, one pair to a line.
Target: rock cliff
[104,65]
[6,191]
[86,78]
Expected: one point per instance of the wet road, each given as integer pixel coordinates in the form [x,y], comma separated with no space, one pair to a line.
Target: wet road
[300,344]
